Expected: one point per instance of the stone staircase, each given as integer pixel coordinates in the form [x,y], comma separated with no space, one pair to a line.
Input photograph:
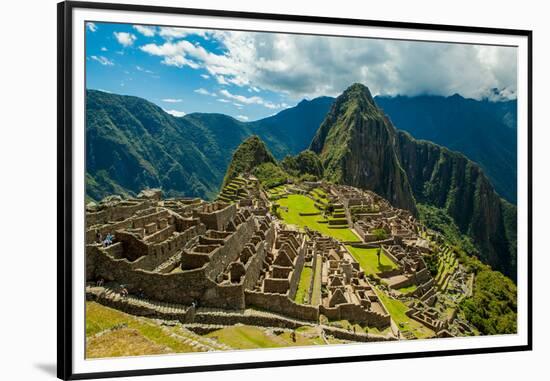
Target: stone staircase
[139,306]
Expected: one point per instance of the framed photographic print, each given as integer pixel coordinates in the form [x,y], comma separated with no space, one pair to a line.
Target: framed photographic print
[242,190]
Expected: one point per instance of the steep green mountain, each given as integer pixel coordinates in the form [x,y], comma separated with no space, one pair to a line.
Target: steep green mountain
[249,154]
[356,145]
[132,144]
[359,146]
[485,131]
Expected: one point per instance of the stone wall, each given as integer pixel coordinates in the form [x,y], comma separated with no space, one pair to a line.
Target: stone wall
[296,273]
[256,319]
[254,266]
[351,336]
[233,245]
[145,308]
[183,287]
[116,213]
[217,216]
[281,304]
[355,313]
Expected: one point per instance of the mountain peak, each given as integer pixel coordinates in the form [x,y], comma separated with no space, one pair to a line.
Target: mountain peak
[249,154]
[355,145]
[358,91]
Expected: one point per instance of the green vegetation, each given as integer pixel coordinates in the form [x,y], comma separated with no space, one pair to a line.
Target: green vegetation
[397,311]
[303,285]
[447,264]
[133,144]
[493,124]
[438,220]
[316,292]
[250,154]
[304,166]
[248,337]
[368,260]
[493,306]
[406,290]
[270,175]
[291,207]
[140,332]
[380,234]
[432,263]
[122,342]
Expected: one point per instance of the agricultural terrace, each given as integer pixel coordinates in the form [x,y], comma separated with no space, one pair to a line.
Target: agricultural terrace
[397,310]
[111,333]
[446,267]
[300,210]
[249,337]
[368,260]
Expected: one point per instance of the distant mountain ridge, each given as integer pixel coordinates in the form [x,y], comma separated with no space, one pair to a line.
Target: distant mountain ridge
[133,144]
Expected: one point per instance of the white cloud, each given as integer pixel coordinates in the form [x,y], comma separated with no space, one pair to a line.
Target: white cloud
[103,49]
[124,38]
[205,76]
[249,100]
[176,113]
[172,100]
[147,31]
[103,60]
[223,100]
[244,118]
[173,33]
[204,92]
[308,66]
[139,68]
[91,26]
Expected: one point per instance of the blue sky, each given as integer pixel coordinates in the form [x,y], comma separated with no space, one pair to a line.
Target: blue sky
[251,75]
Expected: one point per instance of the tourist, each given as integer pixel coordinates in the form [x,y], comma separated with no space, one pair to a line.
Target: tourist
[108,240]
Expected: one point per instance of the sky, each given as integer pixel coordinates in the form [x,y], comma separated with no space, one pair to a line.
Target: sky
[252,75]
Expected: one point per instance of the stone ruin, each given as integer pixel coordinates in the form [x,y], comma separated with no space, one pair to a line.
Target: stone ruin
[231,254]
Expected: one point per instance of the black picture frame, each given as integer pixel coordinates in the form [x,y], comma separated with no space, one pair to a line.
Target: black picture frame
[65,181]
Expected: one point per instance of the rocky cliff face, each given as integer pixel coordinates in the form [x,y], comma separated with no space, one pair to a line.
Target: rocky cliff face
[356,145]
[450,181]
[359,146]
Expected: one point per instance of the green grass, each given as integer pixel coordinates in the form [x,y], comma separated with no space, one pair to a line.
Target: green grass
[316,292]
[122,342]
[397,311]
[303,285]
[406,290]
[368,260]
[100,318]
[248,337]
[297,204]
